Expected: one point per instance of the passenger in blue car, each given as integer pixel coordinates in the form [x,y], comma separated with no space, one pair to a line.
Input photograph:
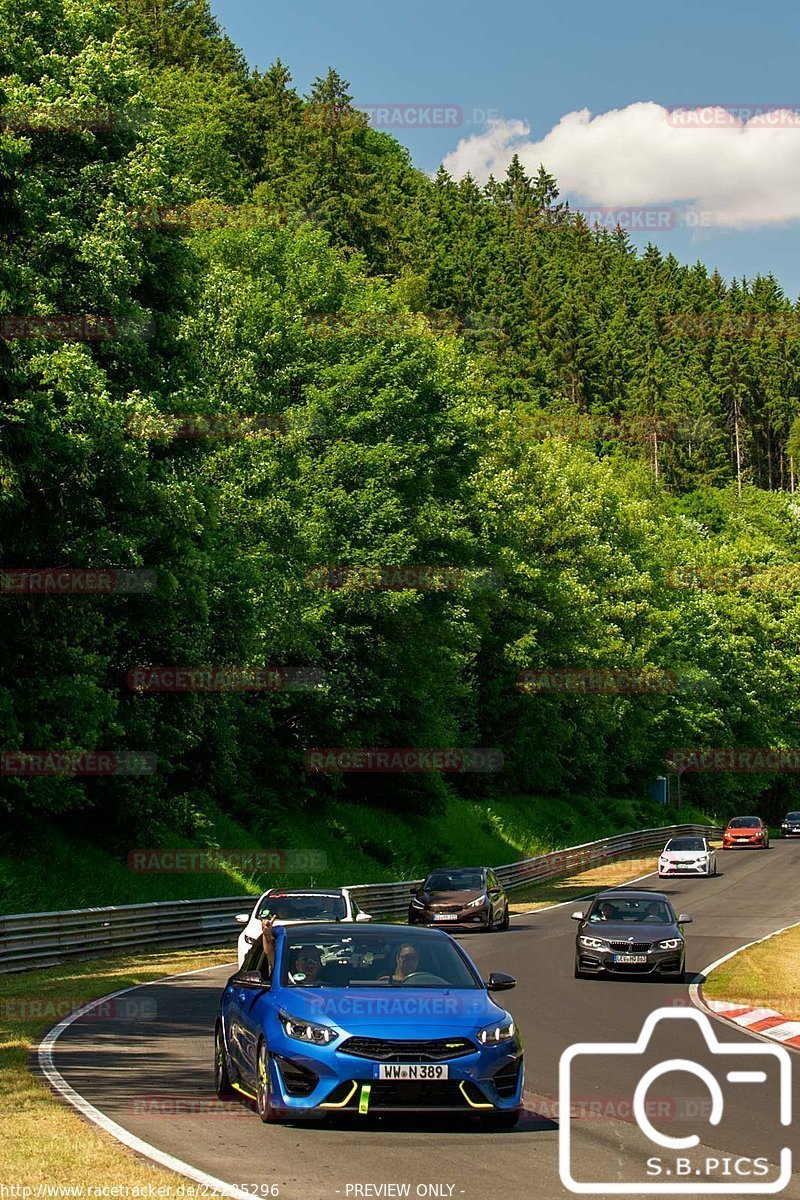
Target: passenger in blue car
[305,966]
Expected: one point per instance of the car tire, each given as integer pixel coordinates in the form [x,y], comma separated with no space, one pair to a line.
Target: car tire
[263,1094]
[222,1080]
[505,921]
[501,1120]
[490,926]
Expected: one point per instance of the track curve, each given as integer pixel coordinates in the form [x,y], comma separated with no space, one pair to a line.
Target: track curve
[152,1077]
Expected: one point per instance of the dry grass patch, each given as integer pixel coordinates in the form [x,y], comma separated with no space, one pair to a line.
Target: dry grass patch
[42,1141]
[572,887]
[765,976]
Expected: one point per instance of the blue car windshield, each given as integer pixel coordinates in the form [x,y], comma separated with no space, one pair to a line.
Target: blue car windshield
[373,959]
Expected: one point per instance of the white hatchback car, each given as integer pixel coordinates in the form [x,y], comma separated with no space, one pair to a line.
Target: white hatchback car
[687,855]
[289,906]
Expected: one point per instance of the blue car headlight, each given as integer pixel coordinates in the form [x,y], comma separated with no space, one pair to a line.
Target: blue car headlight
[307,1031]
[501,1031]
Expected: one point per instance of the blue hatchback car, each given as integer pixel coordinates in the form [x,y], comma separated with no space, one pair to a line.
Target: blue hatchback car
[367,1020]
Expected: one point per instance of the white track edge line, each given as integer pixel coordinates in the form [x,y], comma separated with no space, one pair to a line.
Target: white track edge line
[698,1000]
[88,1110]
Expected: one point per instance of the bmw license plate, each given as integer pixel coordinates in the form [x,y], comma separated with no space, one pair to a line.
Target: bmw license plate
[445,916]
[630,958]
[422,1071]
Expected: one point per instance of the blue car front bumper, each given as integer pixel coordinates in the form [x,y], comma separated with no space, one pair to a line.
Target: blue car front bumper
[319,1080]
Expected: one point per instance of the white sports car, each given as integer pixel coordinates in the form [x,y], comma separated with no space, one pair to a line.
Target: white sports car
[687,856]
[290,906]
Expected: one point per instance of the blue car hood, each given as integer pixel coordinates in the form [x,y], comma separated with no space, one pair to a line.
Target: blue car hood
[392,1012]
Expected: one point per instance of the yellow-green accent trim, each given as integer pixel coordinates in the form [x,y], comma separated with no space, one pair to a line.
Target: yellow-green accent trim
[341,1103]
[472,1103]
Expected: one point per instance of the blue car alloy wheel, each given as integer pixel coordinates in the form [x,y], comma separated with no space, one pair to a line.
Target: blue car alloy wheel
[382,1019]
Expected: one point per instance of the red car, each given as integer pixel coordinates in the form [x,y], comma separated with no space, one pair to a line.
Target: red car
[746,831]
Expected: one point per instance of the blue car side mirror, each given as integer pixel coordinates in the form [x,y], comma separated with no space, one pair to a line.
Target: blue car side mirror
[498,982]
[249,979]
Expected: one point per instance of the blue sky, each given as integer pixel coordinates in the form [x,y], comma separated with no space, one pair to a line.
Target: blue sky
[529,65]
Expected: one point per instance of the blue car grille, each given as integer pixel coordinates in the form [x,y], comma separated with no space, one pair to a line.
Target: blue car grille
[404,1094]
[382,1050]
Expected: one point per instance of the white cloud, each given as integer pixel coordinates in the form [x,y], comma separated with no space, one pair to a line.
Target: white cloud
[741,169]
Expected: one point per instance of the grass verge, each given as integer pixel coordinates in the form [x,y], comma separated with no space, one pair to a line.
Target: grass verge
[764,976]
[357,843]
[42,1141]
[572,887]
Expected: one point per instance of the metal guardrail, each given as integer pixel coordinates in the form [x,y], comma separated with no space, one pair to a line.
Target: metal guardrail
[30,940]
[388,899]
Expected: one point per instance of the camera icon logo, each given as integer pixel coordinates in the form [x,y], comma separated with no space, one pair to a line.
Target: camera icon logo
[673,1170]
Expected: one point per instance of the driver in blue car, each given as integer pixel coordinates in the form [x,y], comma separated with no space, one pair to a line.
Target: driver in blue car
[406,963]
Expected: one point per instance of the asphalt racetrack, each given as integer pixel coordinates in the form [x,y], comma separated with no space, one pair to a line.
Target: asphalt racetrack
[151,1073]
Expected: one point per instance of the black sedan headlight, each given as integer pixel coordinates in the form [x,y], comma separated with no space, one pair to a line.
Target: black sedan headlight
[670,944]
[592,943]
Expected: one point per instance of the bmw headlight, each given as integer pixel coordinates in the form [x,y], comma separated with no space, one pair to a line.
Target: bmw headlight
[670,944]
[307,1031]
[492,1035]
[592,943]
[479,903]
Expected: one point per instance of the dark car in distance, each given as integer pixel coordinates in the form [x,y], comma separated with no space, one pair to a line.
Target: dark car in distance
[460,898]
[627,932]
[790,825]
